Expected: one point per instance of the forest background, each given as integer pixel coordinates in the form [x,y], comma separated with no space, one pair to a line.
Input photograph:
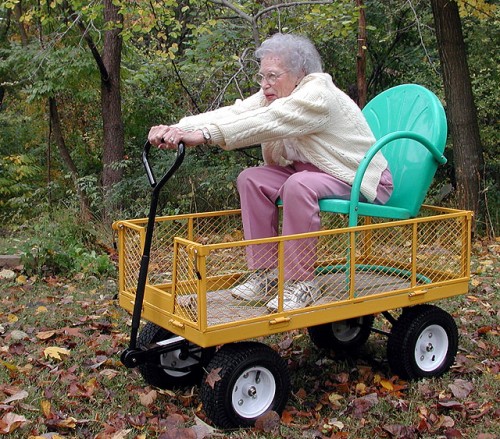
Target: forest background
[82,82]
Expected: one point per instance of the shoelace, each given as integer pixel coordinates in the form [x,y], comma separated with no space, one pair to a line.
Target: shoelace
[264,282]
[304,290]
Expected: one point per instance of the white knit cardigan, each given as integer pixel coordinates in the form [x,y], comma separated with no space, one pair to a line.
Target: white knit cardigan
[317,118]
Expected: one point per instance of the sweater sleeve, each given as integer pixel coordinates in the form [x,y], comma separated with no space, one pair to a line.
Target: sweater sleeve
[304,112]
[253,121]
[209,118]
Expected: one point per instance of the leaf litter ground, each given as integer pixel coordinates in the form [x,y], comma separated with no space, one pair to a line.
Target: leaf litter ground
[61,377]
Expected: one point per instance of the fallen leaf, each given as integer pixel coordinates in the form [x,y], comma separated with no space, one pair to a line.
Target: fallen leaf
[269,422]
[452,433]
[46,407]
[174,420]
[361,388]
[108,373]
[484,330]
[122,434]
[286,417]
[45,335]
[50,435]
[21,279]
[386,384]
[69,423]
[401,431]
[461,388]
[148,398]
[484,409]
[16,397]
[361,405]
[9,366]
[201,423]
[11,421]
[179,433]
[451,405]
[55,352]
[213,377]
[337,424]
[11,318]
[334,399]
[444,421]
[301,394]
[73,332]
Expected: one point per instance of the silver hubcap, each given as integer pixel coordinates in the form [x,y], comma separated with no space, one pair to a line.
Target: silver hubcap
[431,348]
[253,392]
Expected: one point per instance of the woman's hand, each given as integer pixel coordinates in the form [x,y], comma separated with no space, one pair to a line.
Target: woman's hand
[168,137]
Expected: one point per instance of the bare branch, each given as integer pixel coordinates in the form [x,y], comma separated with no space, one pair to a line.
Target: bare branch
[95,51]
[291,5]
[419,30]
[238,11]
[253,19]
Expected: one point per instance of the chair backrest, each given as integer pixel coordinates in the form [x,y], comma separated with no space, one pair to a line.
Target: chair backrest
[408,107]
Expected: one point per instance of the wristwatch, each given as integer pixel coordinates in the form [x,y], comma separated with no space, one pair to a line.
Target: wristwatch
[206,136]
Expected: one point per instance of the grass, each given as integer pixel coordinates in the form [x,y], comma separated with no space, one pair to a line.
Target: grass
[60,374]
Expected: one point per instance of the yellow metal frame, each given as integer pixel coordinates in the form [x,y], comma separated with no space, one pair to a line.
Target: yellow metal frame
[189,274]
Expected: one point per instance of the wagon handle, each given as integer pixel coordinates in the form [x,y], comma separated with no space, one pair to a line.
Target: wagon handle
[149,170]
[127,356]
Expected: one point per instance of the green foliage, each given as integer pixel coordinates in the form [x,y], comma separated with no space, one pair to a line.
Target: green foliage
[186,57]
[63,246]
[16,172]
[482,36]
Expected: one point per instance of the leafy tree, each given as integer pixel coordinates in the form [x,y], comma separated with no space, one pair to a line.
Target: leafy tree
[171,58]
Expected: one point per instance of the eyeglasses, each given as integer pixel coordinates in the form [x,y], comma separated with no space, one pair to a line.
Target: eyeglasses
[271,78]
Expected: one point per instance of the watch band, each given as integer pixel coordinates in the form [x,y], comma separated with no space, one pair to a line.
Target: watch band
[206,136]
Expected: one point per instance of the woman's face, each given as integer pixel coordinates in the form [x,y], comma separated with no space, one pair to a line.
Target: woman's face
[273,70]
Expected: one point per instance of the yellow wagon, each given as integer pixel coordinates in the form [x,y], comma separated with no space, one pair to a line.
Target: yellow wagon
[179,279]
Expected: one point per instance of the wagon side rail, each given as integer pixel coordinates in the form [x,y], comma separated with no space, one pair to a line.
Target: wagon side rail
[391,265]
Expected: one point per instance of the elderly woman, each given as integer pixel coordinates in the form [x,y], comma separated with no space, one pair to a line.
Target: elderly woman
[313,137]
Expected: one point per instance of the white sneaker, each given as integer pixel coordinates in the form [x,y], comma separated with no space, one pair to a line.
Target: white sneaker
[296,295]
[260,286]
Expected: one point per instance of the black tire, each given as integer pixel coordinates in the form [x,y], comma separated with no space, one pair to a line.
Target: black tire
[243,381]
[423,343]
[345,335]
[155,375]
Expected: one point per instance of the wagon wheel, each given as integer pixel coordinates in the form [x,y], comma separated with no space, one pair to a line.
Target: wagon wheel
[243,381]
[345,335]
[194,358]
[423,342]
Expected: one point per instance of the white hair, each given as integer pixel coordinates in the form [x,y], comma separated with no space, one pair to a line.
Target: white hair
[297,52]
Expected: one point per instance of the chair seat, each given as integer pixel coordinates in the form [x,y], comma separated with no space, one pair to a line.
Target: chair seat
[336,205]
[365,209]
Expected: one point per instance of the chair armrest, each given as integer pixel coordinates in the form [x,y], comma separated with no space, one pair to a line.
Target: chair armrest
[375,148]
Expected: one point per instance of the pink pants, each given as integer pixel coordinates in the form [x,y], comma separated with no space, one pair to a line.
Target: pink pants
[299,186]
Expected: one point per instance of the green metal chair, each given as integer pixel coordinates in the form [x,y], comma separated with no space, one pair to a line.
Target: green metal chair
[410,126]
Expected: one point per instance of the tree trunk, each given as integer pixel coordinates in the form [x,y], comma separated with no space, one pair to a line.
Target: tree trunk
[56,131]
[361,58]
[113,148]
[461,110]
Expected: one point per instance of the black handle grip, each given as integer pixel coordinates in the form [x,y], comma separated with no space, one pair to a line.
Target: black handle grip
[181,150]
